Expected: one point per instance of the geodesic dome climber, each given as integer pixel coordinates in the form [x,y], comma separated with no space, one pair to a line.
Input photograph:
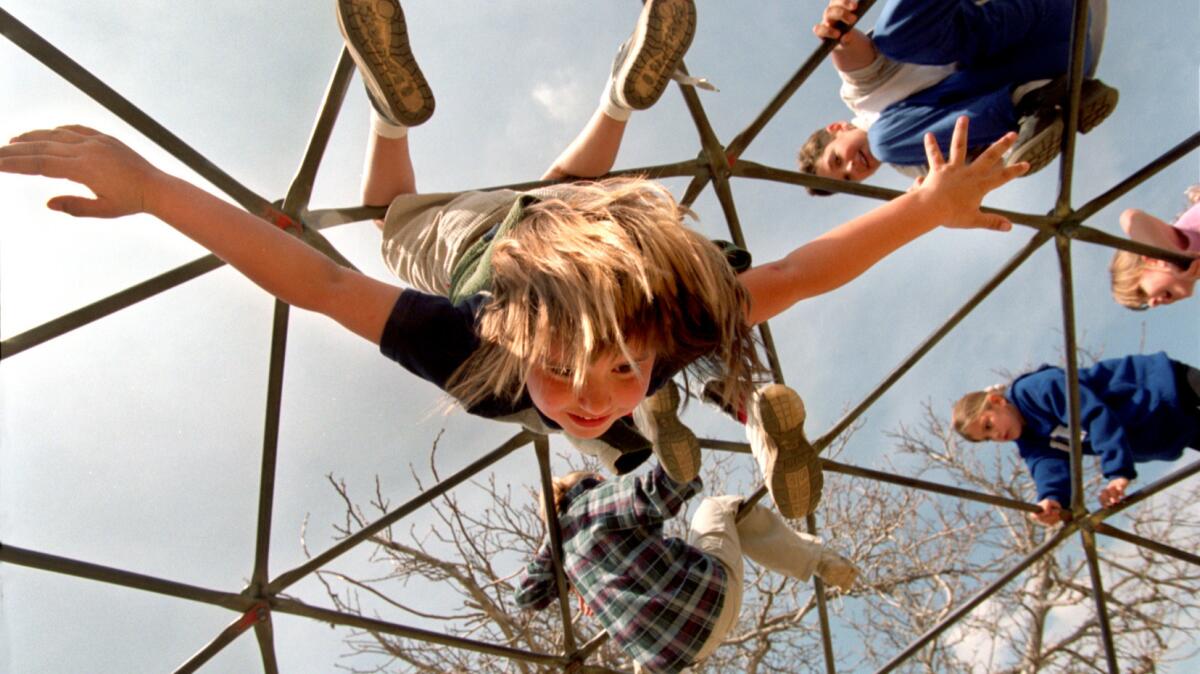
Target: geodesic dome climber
[717,165]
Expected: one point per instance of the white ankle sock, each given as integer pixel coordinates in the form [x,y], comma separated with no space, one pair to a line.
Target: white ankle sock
[609,107]
[385,129]
[1019,92]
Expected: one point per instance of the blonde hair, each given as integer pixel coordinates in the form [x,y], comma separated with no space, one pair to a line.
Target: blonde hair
[1126,271]
[598,266]
[969,407]
[1126,268]
[559,487]
[810,153]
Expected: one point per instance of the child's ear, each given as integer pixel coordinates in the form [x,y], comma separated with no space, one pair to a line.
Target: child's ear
[996,400]
[837,127]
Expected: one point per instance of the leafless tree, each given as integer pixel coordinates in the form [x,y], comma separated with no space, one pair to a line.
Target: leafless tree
[923,555]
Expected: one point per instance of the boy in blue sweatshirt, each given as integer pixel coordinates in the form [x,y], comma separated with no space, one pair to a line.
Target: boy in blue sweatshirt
[1132,409]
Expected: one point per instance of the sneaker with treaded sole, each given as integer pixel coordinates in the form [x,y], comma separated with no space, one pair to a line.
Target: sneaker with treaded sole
[1097,101]
[790,465]
[674,443]
[647,61]
[377,39]
[1039,139]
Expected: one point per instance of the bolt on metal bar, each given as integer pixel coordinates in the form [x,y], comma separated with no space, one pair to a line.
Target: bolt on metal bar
[981,596]
[1120,534]
[1009,267]
[1062,246]
[1075,58]
[270,450]
[109,305]
[77,75]
[300,191]
[1093,564]
[286,579]
[223,639]
[1140,176]
[113,576]
[541,446]
[293,607]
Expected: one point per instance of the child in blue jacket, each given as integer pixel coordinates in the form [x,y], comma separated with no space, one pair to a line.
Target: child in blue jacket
[1132,409]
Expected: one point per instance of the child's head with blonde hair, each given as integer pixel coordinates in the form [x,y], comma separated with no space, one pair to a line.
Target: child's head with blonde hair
[1130,271]
[986,415]
[605,272]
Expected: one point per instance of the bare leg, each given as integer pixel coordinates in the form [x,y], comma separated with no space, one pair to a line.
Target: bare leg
[593,151]
[387,171]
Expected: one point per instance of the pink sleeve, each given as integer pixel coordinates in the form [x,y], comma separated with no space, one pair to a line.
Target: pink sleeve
[1189,225]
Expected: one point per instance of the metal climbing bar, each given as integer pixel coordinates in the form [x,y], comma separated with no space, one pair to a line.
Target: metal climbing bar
[541,446]
[1066,167]
[286,579]
[740,142]
[1062,246]
[981,596]
[293,607]
[270,449]
[120,106]
[1141,541]
[1009,267]
[106,574]
[109,305]
[300,191]
[257,613]
[1140,176]
[264,633]
[810,523]
[1093,564]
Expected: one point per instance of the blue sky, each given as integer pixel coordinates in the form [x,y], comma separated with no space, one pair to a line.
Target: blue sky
[135,442]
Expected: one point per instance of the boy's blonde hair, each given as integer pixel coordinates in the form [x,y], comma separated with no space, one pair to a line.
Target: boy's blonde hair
[596,268]
[1126,270]
[969,407]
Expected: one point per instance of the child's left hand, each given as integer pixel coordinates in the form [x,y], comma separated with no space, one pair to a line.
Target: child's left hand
[960,186]
[1114,493]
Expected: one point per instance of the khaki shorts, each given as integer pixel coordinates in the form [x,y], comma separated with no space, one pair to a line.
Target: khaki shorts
[425,235]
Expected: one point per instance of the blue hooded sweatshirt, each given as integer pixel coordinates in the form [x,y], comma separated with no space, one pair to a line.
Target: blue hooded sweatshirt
[1130,411]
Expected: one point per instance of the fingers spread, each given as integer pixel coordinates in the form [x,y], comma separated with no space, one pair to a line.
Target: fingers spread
[933,153]
[958,141]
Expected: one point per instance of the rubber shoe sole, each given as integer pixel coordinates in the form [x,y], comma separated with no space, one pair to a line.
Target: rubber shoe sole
[1097,102]
[377,39]
[650,57]
[792,468]
[675,444]
[1040,145]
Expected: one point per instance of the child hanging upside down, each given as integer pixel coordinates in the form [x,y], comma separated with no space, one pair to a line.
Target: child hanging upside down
[1138,281]
[563,308]
[1132,409]
[668,604]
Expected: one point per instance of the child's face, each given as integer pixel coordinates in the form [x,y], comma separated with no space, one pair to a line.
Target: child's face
[998,422]
[1164,283]
[848,156]
[612,388]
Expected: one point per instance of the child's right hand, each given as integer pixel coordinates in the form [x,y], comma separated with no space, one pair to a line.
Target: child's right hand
[836,17]
[117,175]
[959,187]
[1052,513]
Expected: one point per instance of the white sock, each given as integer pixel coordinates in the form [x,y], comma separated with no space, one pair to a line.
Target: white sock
[385,129]
[609,107]
[1019,92]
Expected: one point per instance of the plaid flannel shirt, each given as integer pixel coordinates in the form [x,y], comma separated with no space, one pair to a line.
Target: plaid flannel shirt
[658,598]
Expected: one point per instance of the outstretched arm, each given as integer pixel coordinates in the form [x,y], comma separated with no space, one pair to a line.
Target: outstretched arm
[950,195]
[124,183]
[854,50]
